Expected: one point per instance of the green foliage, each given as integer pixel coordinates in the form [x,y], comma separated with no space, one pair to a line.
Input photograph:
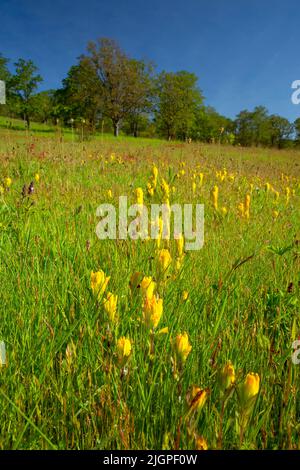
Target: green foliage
[22,86]
[178,98]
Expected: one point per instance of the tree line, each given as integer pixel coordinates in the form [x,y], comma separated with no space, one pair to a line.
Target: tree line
[108,91]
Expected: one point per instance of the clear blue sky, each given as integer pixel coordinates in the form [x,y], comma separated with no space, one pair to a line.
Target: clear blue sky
[245,52]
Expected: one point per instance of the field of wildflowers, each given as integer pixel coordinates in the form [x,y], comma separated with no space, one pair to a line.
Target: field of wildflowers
[122,344]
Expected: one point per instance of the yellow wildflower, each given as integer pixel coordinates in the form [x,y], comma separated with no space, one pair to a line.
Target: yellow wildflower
[182,347]
[215,195]
[164,259]
[7,182]
[152,311]
[148,286]
[123,348]
[99,282]
[110,306]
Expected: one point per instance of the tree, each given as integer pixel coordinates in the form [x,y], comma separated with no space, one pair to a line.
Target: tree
[80,96]
[43,105]
[177,100]
[124,83]
[297,129]
[23,85]
[280,130]
[210,126]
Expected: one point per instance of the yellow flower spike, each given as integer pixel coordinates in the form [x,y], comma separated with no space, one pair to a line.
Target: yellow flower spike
[198,398]
[227,377]
[182,347]
[123,348]
[179,245]
[147,286]
[152,311]
[224,211]
[109,194]
[110,306]
[194,187]
[1,190]
[164,259]
[163,331]
[201,176]
[7,182]
[275,214]
[154,172]
[249,389]
[139,196]
[201,443]
[99,282]
[287,194]
[247,206]
[185,295]
[150,189]
[179,263]
[165,190]
[215,196]
[241,209]
[267,187]
[37,177]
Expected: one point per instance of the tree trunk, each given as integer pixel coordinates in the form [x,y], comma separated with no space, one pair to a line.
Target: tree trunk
[27,119]
[116,128]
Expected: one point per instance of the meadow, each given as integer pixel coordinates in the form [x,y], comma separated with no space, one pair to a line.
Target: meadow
[121,344]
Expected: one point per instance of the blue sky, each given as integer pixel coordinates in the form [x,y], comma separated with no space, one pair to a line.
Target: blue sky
[245,52]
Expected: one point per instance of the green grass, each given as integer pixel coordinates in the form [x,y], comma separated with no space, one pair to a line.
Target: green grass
[243,302]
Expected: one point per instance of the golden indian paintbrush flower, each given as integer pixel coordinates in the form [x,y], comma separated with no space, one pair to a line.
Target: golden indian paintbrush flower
[165,190]
[201,443]
[182,347]
[147,286]
[215,196]
[241,209]
[7,182]
[110,306]
[249,389]
[123,348]
[164,259]
[198,398]
[227,377]
[179,245]
[267,187]
[275,214]
[184,295]
[154,174]
[37,177]
[247,206]
[152,311]
[99,282]
[139,196]
[194,187]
